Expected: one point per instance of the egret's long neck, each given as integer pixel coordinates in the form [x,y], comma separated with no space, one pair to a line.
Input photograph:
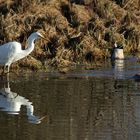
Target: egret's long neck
[24,53]
[31,45]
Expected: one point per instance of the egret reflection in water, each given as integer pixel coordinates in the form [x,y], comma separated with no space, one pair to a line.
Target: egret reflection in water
[11,103]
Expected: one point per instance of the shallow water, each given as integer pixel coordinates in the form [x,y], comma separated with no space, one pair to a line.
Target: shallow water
[101,104]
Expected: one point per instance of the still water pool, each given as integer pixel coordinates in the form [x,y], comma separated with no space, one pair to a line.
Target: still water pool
[102,104]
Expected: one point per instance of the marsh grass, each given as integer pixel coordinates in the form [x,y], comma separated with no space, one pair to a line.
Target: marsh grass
[77,31]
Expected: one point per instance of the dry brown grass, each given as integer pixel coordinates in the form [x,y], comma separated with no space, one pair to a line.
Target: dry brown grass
[77,31]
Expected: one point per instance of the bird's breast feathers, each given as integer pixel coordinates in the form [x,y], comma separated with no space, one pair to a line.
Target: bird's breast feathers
[8,52]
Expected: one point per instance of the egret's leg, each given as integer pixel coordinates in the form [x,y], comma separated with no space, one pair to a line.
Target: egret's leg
[8,69]
[3,71]
[7,78]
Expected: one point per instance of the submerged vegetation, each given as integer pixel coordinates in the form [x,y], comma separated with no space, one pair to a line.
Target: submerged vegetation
[77,31]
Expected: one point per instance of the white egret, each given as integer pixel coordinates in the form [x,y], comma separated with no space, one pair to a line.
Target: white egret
[12,51]
[117,52]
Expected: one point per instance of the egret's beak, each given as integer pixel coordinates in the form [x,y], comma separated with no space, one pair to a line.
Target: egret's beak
[44,38]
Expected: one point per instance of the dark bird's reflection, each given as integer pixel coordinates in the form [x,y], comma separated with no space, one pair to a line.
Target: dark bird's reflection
[11,103]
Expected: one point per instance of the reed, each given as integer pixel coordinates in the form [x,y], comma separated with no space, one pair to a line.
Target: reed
[76,31]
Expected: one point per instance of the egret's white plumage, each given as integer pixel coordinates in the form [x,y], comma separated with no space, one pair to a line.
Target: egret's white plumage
[12,51]
[11,102]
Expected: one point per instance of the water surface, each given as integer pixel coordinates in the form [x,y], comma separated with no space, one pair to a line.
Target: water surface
[102,104]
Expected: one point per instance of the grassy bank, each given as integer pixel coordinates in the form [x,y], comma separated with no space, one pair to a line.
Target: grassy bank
[78,31]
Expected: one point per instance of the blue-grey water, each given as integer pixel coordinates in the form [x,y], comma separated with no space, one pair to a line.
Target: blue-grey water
[95,104]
